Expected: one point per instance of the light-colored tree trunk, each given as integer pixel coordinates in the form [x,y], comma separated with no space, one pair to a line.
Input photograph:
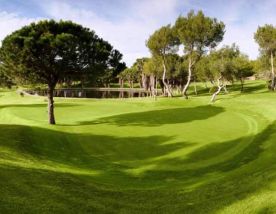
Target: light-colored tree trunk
[225,89]
[156,88]
[184,92]
[167,88]
[129,83]
[120,82]
[272,72]
[152,85]
[215,94]
[220,86]
[132,84]
[195,88]
[178,89]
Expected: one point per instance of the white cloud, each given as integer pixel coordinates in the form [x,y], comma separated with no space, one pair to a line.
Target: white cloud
[134,24]
[10,22]
[242,19]
[127,35]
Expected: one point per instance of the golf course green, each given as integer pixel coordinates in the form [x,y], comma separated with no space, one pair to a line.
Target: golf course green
[139,155]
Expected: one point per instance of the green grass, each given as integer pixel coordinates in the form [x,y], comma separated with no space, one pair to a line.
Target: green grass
[140,155]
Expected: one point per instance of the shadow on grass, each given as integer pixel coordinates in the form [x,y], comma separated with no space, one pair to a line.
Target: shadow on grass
[249,88]
[255,89]
[240,177]
[84,150]
[160,117]
[24,188]
[238,159]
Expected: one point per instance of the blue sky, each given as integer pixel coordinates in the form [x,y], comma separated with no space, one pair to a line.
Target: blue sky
[127,24]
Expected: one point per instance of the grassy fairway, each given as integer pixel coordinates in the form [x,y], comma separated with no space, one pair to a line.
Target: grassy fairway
[139,155]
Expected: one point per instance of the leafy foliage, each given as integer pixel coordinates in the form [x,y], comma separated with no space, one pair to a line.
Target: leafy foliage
[49,52]
[162,42]
[266,38]
[198,32]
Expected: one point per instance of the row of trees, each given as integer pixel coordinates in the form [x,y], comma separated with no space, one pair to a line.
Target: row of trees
[201,61]
[226,64]
[196,32]
[51,53]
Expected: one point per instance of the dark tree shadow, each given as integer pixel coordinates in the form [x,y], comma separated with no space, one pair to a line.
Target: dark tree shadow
[160,117]
[81,150]
[156,190]
[227,190]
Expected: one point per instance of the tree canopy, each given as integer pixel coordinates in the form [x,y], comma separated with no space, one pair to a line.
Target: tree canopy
[266,38]
[48,51]
[161,43]
[197,33]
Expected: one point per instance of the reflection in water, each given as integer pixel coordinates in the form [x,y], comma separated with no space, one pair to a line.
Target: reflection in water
[95,93]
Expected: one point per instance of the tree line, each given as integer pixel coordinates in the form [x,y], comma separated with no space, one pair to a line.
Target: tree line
[201,60]
[65,53]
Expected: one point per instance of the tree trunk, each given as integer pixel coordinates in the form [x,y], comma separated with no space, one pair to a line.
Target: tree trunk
[272,72]
[225,89]
[156,88]
[220,86]
[164,80]
[121,82]
[162,87]
[195,89]
[129,83]
[178,89]
[144,82]
[51,116]
[215,94]
[242,83]
[184,92]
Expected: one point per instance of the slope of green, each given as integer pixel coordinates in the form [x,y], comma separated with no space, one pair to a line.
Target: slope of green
[139,155]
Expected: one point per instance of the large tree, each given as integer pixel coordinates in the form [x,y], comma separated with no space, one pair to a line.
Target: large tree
[266,38]
[48,51]
[162,43]
[197,33]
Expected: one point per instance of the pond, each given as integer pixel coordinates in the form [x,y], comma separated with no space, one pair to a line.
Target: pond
[95,93]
